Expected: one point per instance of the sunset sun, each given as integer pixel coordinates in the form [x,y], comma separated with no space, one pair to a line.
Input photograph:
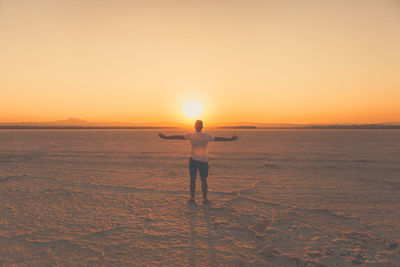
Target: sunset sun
[193,109]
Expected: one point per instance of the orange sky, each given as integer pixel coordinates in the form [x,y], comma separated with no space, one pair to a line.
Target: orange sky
[259,61]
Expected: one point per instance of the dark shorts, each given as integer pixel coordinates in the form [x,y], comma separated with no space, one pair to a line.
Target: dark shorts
[195,165]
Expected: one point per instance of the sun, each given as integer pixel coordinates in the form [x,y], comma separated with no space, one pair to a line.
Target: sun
[193,109]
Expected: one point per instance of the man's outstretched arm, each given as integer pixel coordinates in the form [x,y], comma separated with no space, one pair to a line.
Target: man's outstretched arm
[233,138]
[173,137]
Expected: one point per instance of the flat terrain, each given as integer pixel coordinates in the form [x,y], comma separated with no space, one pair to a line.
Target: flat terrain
[279,198]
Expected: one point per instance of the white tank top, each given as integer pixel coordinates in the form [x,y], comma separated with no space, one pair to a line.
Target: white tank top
[199,143]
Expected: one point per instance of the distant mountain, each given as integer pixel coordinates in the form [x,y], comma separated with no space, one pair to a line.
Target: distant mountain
[75,122]
[71,122]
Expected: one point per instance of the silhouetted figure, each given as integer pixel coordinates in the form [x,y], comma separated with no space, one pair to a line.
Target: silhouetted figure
[198,158]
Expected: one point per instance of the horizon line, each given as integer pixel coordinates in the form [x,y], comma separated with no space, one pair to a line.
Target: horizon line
[75,123]
[245,123]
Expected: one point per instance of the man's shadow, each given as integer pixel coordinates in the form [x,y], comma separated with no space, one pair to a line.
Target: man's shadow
[192,216]
[200,215]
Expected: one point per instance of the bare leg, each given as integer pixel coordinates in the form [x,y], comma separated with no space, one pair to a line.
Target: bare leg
[192,186]
[204,187]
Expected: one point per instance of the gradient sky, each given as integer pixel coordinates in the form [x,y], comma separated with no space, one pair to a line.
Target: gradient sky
[259,61]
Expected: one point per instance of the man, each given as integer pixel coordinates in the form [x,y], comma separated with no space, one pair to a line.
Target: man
[198,158]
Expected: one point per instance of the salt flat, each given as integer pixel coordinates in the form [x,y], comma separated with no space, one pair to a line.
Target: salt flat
[279,198]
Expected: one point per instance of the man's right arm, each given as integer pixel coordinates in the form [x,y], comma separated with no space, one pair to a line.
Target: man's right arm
[171,137]
[224,139]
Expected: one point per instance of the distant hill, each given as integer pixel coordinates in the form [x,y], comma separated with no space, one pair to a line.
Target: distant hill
[69,122]
[392,123]
[257,125]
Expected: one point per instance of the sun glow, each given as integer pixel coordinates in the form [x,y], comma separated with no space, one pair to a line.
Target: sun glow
[193,109]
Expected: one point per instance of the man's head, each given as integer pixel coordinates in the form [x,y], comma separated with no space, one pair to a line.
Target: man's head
[198,125]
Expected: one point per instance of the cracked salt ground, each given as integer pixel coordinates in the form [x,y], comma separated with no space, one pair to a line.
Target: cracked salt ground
[279,198]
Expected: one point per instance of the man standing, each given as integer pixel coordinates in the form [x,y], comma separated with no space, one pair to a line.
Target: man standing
[198,158]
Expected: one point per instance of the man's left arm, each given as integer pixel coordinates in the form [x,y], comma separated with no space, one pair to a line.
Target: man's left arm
[171,137]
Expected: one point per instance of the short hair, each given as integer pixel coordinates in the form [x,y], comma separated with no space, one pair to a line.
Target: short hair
[198,124]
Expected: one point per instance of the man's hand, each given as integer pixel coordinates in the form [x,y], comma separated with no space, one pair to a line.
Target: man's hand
[161,135]
[234,137]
